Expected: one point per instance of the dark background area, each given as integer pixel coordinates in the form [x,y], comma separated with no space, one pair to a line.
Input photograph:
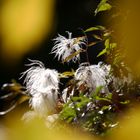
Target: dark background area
[70,15]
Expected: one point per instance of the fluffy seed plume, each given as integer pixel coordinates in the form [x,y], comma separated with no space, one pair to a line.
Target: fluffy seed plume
[43,86]
[94,76]
[64,47]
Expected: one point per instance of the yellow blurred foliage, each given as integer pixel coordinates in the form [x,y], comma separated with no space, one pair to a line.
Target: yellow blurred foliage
[129,127]
[130,28]
[37,130]
[24,24]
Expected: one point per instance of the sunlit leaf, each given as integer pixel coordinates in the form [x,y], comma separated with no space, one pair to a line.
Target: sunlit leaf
[107,34]
[68,113]
[103,6]
[102,99]
[107,48]
[81,101]
[125,102]
[105,108]
[102,53]
[67,74]
[95,28]
[107,44]
[97,37]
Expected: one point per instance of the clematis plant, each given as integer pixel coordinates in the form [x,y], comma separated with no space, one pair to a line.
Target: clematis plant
[92,97]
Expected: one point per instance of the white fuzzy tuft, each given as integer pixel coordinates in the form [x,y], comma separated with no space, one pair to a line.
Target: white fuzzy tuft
[65,47]
[94,76]
[43,86]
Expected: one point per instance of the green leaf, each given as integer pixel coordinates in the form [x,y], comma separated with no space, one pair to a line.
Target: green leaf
[107,43]
[109,96]
[107,34]
[97,37]
[80,101]
[102,99]
[67,74]
[105,108]
[95,28]
[68,113]
[103,6]
[125,102]
[107,47]
[102,52]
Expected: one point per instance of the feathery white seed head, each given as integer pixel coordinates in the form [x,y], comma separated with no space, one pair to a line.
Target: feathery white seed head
[64,47]
[42,84]
[45,104]
[94,76]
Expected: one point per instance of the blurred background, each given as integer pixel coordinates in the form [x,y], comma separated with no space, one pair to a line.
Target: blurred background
[28,27]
